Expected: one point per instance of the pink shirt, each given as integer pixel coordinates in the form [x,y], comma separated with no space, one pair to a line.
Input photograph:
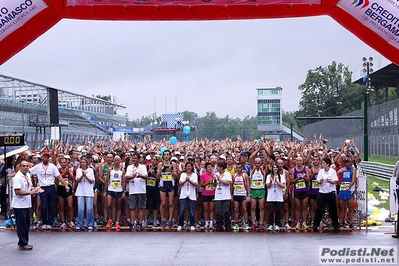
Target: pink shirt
[208,190]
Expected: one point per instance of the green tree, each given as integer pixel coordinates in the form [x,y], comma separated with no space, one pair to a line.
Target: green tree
[328,91]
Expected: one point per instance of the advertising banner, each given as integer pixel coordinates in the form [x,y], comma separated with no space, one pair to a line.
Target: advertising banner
[380,16]
[393,196]
[185,2]
[15,13]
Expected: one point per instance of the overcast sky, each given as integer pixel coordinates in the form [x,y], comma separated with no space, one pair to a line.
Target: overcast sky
[207,65]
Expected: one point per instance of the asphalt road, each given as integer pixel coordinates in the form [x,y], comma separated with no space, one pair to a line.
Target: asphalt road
[180,248]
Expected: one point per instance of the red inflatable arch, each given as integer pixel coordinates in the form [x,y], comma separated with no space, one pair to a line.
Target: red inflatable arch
[376,22]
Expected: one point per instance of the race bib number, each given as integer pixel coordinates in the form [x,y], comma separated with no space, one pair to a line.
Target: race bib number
[344,185]
[66,183]
[150,182]
[210,187]
[257,183]
[315,184]
[167,177]
[116,183]
[238,187]
[300,184]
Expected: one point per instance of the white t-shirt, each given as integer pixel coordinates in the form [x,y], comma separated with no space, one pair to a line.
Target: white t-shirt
[46,174]
[137,185]
[85,188]
[188,190]
[222,191]
[275,192]
[327,187]
[25,184]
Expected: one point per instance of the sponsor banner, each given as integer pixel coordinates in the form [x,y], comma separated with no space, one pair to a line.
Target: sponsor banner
[362,193]
[123,129]
[185,2]
[381,16]
[15,13]
[362,255]
[393,196]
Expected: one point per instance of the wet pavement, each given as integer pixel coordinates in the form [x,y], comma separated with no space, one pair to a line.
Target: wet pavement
[182,248]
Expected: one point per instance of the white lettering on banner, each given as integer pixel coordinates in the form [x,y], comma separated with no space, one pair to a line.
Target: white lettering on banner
[379,16]
[15,13]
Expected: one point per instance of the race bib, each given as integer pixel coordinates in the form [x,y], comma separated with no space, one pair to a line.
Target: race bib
[315,184]
[167,177]
[150,182]
[66,183]
[210,187]
[238,187]
[344,185]
[257,183]
[116,183]
[300,184]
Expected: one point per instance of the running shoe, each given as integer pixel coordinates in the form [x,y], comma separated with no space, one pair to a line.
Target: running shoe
[170,224]
[90,228]
[253,227]
[131,227]
[270,228]
[117,226]
[236,227]
[144,223]
[49,227]
[109,224]
[261,227]
[298,226]
[287,226]
[140,227]
[77,229]
[210,225]
[156,222]
[305,227]
[179,228]
[276,228]
[63,226]
[163,223]
[350,226]
[192,228]
[71,224]
[38,225]
[246,227]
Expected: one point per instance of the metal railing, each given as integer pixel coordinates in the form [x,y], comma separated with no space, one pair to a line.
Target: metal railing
[378,170]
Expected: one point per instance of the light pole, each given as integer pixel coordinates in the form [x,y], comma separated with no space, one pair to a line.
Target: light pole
[367,69]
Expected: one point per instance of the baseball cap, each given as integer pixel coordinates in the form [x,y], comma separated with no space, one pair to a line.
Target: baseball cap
[148,157]
[46,153]
[89,155]
[222,157]
[346,159]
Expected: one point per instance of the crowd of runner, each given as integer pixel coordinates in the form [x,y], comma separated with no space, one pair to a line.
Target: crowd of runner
[217,185]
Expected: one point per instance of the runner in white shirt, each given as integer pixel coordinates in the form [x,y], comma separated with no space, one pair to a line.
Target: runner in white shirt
[188,183]
[328,179]
[275,184]
[136,176]
[47,175]
[223,197]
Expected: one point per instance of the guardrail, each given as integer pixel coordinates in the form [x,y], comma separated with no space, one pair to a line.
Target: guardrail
[378,170]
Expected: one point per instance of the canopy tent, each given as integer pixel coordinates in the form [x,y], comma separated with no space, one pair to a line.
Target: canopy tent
[374,22]
[12,150]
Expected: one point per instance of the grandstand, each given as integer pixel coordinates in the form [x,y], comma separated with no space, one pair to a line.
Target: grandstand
[24,108]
